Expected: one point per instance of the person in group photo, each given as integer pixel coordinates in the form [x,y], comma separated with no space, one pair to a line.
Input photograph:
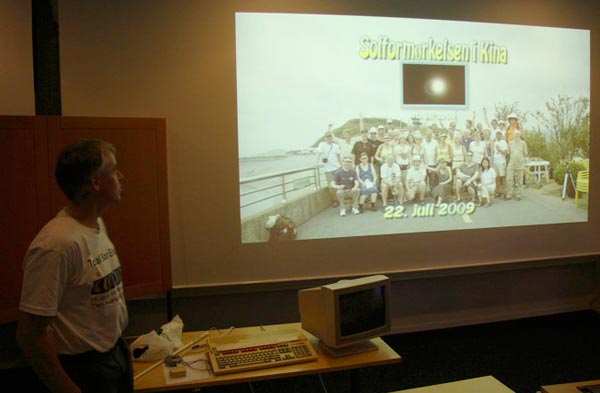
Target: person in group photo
[363,146]
[513,127]
[443,190]
[500,152]
[345,183]
[466,176]
[429,156]
[329,155]
[515,170]
[477,147]
[459,153]
[391,181]
[367,179]
[487,184]
[402,152]
[416,187]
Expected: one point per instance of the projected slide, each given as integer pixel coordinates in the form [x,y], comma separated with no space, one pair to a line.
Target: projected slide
[354,126]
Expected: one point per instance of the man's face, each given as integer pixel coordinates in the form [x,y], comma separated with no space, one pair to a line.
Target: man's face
[512,121]
[498,136]
[347,164]
[417,164]
[107,180]
[364,136]
[452,125]
[373,136]
[469,158]
[347,135]
[328,138]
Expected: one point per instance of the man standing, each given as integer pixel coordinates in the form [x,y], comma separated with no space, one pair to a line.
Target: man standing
[346,143]
[516,166]
[430,158]
[513,127]
[500,150]
[328,154]
[72,309]
[345,182]
[363,146]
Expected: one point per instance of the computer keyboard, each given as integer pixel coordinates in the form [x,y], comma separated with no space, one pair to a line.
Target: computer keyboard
[252,352]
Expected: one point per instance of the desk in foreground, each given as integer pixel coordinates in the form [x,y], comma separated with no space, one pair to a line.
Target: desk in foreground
[154,380]
[487,384]
[568,387]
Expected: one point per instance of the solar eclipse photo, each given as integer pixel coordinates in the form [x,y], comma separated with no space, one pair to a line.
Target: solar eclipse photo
[433,84]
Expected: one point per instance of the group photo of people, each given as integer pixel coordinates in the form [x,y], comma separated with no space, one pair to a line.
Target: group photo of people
[397,164]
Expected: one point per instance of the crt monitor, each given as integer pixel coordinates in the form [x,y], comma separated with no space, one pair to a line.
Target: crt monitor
[345,315]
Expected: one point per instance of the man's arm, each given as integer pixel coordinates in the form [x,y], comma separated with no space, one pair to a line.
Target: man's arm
[40,352]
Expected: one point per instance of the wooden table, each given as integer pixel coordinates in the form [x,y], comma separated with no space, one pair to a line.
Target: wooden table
[486,384]
[568,387]
[154,381]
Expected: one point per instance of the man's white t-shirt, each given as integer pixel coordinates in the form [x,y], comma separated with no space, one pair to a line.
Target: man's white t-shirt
[390,173]
[72,273]
[500,145]
[429,152]
[331,151]
[415,175]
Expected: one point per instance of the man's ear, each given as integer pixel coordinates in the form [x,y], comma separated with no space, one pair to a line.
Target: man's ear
[96,183]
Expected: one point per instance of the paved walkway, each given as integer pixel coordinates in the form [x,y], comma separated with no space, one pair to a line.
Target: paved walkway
[536,207]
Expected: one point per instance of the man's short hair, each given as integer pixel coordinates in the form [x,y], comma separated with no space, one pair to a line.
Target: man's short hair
[76,164]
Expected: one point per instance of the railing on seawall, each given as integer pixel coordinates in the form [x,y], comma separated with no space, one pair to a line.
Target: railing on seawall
[280,187]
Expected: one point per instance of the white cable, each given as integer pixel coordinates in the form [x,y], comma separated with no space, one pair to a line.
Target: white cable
[322,383]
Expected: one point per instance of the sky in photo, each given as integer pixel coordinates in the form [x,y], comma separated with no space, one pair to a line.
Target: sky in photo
[298,73]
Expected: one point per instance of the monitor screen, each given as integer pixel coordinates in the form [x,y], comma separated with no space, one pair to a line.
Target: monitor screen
[362,311]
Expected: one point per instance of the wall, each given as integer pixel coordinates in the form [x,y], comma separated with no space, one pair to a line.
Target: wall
[16,63]
[173,59]
[421,300]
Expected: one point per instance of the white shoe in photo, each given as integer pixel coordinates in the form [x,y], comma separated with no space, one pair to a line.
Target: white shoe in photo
[355,211]
[342,212]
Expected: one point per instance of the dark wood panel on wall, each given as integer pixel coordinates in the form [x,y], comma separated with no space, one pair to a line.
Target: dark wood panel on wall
[139,225]
[25,207]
